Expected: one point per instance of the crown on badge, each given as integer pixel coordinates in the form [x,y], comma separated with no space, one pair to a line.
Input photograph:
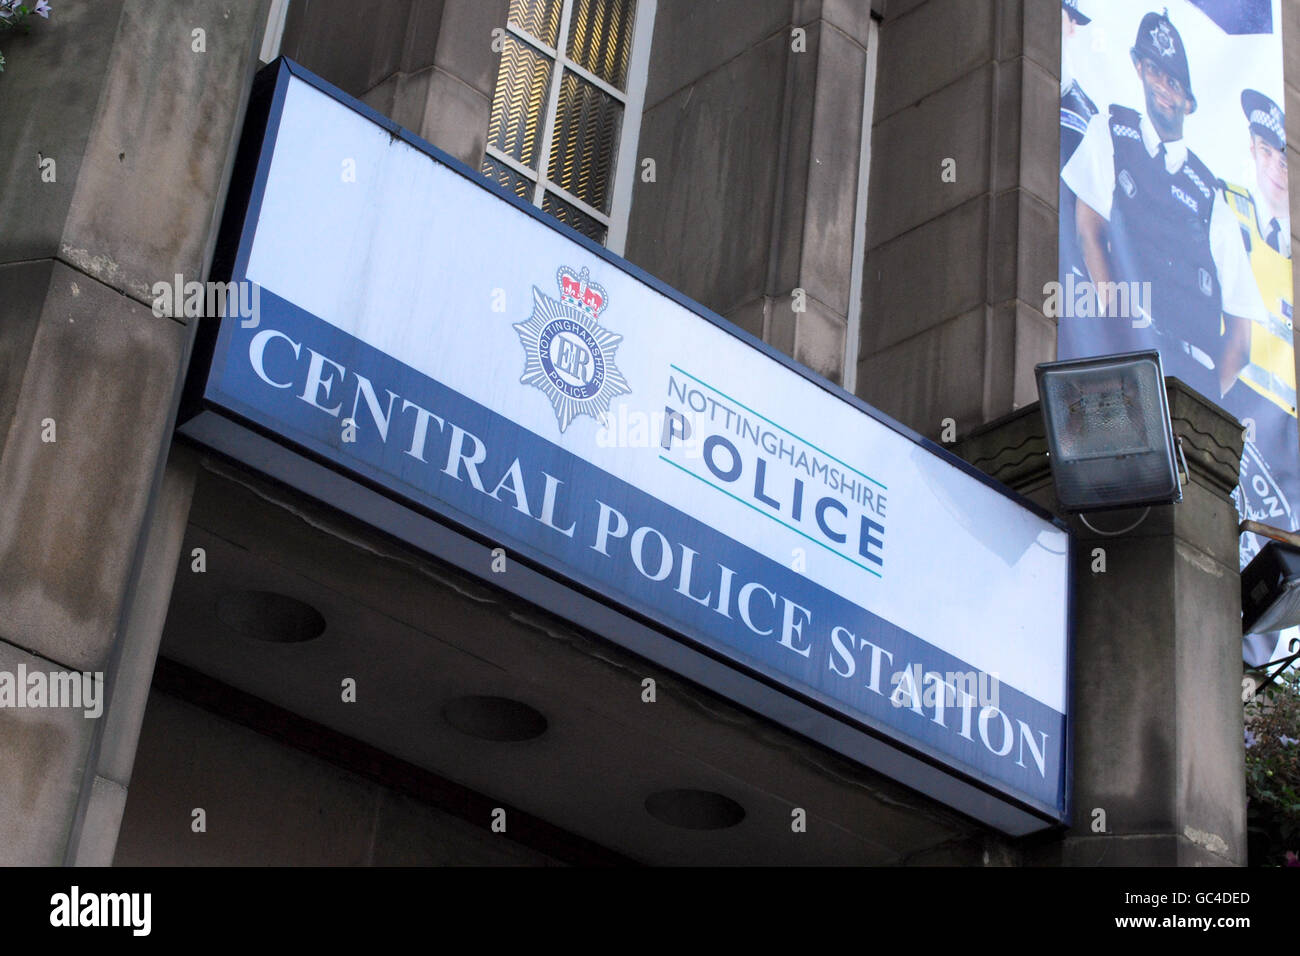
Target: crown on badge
[577,290]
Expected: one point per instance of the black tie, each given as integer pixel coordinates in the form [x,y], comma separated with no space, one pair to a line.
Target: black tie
[1274,228]
[1160,155]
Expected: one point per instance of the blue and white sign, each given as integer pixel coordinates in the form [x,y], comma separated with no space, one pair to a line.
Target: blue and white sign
[423,332]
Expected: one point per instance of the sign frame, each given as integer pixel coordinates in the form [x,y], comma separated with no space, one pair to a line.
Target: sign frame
[466,543]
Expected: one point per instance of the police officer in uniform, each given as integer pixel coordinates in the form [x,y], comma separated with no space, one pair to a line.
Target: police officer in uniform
[1265,394]
[1265,220]
[1076,112]
[1147,213]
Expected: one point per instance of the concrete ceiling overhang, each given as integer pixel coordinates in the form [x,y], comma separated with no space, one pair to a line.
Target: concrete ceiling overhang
[417,636]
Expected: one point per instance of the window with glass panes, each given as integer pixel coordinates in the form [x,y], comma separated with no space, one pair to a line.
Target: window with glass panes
[559,108]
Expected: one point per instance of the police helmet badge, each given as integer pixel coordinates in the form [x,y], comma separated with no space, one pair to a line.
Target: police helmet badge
[1159,39]
[1163,40]
[569,356]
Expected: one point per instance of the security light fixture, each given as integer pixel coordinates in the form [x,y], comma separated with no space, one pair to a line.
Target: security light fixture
[1270,589]
[1270,593]
[1109,435]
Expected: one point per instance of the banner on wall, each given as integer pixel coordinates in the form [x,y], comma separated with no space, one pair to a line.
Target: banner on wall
[1175,229]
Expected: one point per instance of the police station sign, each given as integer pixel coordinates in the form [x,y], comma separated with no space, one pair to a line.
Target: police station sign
[424,334]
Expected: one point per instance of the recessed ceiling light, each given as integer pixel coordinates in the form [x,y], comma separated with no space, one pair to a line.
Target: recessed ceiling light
[268,616]
[495,718]
[694,809]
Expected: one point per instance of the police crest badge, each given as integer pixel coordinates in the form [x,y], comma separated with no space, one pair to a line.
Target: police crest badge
[1162,38]
[569,356]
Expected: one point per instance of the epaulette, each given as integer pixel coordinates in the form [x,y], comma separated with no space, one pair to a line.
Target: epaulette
[1124,122]
[1238,197]
[1072,120]
[1197,181]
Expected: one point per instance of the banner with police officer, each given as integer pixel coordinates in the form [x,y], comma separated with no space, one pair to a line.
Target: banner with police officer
[1175,229]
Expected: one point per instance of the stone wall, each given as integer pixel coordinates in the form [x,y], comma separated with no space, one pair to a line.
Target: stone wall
[951,321]
[427,64]
[755,134]
[139,114]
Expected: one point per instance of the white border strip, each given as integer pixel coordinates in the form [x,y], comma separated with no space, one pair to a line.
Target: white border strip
[275,20]
[853,333]
[638,73]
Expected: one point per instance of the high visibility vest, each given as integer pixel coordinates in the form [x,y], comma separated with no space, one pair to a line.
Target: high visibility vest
[1271,371]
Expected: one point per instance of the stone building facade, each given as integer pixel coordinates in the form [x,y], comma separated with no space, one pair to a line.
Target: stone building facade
[798,151]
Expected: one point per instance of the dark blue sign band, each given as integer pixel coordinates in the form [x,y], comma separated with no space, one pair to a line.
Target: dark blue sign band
[438,449]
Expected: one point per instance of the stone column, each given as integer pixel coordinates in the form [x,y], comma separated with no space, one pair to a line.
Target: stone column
[1291,72]
[138,106]
[1159,760]
[961,214]
[428,64]
[754,119]
[130,670]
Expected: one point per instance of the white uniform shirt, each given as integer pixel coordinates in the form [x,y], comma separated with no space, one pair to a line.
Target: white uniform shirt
[1091,174]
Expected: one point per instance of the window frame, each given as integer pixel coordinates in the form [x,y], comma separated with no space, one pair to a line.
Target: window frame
[633,101]
[273,34]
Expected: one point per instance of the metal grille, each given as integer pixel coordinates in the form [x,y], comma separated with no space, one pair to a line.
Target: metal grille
[541,18]
[517,106]
[499,172]
[571,216]
[558,110]
[584,142]
[600,38]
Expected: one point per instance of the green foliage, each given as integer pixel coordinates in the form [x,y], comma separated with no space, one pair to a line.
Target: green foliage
[1273,773]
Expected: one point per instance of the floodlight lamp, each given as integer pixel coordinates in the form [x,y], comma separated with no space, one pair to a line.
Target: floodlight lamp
[1109,436]
[1270,589]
